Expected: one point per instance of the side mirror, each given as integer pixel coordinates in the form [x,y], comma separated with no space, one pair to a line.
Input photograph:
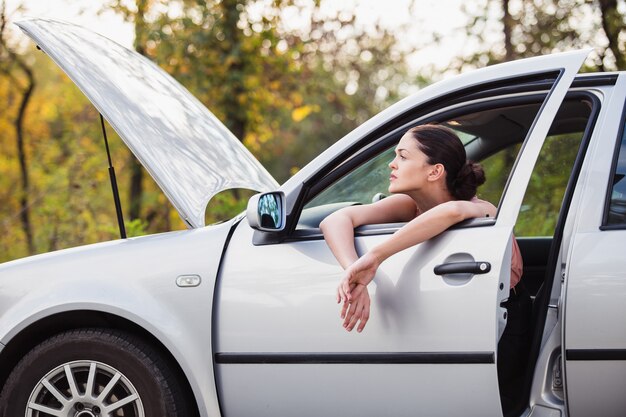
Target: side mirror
[266,211]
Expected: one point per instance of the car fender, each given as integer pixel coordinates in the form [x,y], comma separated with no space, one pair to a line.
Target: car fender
[135,279]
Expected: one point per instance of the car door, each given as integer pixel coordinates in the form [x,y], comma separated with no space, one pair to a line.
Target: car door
[430,345]
[594,334]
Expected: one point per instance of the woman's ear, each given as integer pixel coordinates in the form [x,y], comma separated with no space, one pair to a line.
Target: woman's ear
[436,171]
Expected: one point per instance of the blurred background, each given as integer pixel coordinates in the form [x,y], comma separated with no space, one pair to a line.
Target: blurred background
[287,77]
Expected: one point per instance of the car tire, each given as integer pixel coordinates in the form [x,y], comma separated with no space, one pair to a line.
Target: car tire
[127,377]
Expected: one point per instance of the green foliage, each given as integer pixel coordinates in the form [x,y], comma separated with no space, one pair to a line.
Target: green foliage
[360,185]
[497,170]
[136,227]
[227,204]
[544,195]
[288,93]
[503,30]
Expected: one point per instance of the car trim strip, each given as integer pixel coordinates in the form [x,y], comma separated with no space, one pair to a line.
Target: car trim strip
[595,354]
[384,229]
[357,358]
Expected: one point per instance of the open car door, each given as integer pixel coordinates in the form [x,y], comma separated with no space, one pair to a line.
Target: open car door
[430,347]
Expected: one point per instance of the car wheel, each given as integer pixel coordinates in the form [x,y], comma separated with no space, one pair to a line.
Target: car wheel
[91,373]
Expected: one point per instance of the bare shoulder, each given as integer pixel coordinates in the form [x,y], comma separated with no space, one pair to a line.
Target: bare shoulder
[404,206]
[395,208]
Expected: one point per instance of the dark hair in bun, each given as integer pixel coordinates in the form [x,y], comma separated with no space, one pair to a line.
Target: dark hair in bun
[442,146]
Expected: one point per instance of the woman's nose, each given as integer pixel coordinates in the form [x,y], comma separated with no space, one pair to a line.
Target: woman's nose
[392,164]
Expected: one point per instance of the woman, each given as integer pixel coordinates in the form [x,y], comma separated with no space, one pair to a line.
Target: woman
[434,187]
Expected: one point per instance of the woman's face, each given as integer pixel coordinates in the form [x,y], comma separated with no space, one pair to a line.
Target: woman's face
[409,168]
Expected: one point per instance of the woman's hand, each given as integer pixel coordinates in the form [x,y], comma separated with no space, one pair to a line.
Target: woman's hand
[361,272]
[352,291]
[357,311]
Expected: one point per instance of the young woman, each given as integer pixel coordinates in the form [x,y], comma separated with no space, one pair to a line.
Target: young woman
[434,187]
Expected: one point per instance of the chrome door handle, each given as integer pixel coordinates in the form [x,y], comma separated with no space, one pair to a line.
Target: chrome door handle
[463,268]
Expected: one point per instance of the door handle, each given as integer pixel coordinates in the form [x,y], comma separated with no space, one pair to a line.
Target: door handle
[463,268]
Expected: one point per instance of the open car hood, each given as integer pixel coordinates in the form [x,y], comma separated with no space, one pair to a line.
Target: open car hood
[190,154]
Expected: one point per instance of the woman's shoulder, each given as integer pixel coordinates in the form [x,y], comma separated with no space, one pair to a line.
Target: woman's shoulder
[393,209]
[404,205]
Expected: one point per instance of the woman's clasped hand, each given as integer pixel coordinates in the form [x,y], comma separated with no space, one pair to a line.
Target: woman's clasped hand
[352,292]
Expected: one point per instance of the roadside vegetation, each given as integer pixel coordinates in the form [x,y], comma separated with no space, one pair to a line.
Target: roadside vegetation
[287,93]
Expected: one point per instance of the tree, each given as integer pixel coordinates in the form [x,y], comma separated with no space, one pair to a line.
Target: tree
[510,29]
[285,93]
[271,84]
[18,71]
[613,26]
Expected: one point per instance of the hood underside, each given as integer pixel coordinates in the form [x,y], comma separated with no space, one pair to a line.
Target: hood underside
[190,154]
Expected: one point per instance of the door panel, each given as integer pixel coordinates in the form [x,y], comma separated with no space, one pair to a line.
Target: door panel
[594,335]
[595,326]
[355,391]
[411,304]
[283,326]
[430,344]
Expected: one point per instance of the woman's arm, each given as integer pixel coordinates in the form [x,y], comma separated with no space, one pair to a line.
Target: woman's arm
[427,225]
[430,224]
[338,228]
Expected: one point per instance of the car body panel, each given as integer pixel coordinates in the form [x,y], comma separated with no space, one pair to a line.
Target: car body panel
[134,279]
[190,154]
[413,311]
[595,280]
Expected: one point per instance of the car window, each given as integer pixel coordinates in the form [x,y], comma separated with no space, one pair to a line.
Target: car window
[616,215]
[363,185]
[542,202]
[492,136]
[496,130]
[368,182]
[497,170]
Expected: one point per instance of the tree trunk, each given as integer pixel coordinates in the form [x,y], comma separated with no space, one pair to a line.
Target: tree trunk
[612,23]
[507,22]
[135,190]
[235,117]
[18,124]
[21,152]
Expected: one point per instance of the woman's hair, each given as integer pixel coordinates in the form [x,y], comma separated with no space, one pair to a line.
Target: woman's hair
[442,146]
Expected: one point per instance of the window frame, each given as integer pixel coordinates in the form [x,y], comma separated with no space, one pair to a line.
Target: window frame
[609,188]
[528,90]
[369,152]
[385,142]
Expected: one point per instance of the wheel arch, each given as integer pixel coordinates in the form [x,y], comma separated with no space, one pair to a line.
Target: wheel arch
[42,329]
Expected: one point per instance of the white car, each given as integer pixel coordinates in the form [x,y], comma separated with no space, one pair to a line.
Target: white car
[240,319]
